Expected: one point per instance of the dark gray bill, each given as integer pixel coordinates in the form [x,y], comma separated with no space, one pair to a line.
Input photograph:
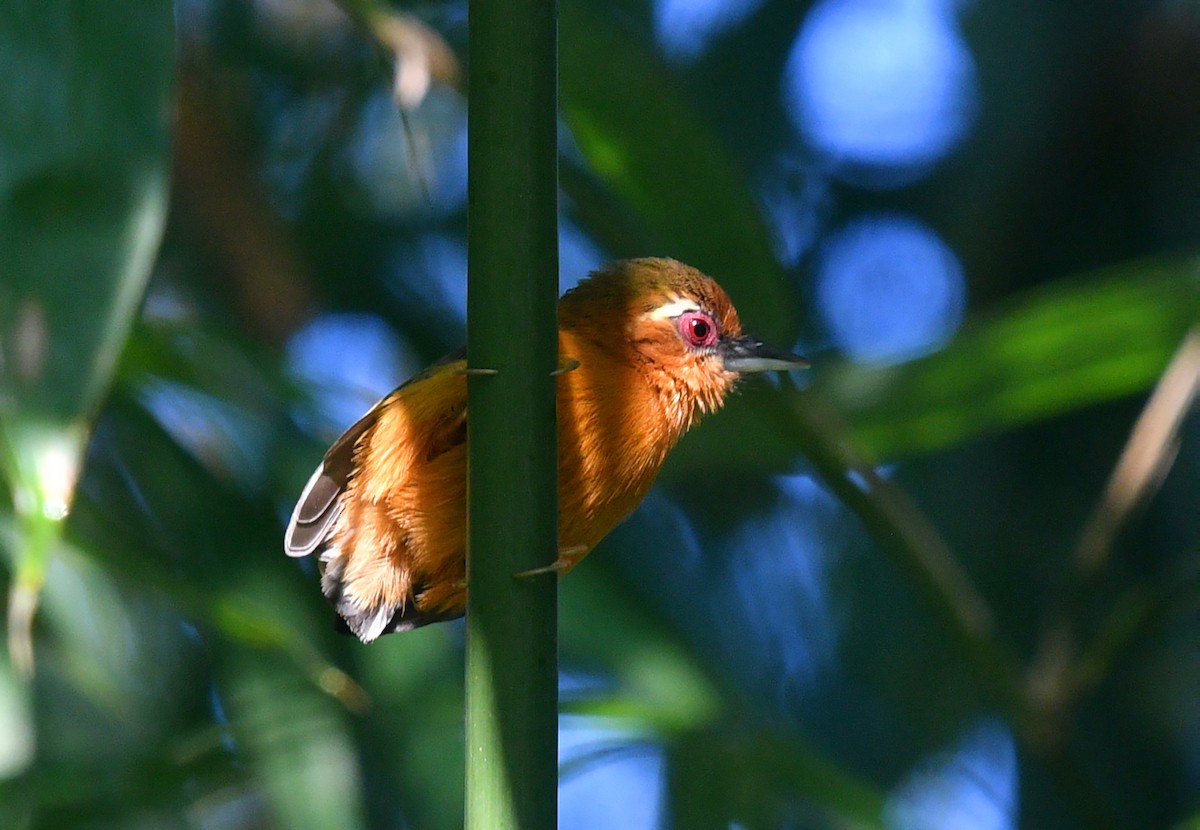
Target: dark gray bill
[746,354]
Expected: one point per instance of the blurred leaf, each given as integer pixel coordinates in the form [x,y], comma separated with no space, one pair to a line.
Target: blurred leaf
[1071,344]
[136,474]
[726,775]
[83,161]
[89,618]
[16,724]
[297,741]
[659,682]
[84,88]
[753,434]
[214,360]
[1190,823]
[640,138]
[1075,343]
[662,687]
[412,737]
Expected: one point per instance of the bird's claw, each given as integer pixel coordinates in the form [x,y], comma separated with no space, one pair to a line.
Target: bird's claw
[567,558]
[557,566]
[568,365]
[479,372]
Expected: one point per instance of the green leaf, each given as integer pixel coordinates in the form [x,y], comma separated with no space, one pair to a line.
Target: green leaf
[1075,343]
[1078,342]
[84,92]
[297,742]
[759,778]
[663,163]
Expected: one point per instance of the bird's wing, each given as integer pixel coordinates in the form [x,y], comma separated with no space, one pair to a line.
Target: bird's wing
[319,505]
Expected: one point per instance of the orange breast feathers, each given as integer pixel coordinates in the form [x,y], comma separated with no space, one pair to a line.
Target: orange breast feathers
[387,508]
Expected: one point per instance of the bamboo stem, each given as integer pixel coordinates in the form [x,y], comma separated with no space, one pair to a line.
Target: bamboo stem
[512,669]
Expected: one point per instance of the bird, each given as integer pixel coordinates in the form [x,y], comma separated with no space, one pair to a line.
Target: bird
[647,347]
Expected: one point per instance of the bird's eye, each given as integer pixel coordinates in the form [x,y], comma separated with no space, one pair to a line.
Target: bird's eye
[697,329]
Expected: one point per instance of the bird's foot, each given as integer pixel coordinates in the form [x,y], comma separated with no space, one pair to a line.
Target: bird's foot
[568,365]
[479,372]
[567,558]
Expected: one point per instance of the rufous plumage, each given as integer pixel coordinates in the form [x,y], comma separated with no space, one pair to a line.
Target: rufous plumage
[650,346]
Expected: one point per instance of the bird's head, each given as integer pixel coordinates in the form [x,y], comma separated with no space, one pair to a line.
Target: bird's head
[675,324]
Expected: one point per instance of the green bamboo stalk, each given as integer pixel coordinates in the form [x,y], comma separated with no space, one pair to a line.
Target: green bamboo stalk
[512,660]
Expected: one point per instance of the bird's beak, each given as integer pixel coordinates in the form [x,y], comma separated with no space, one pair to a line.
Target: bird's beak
[745,354]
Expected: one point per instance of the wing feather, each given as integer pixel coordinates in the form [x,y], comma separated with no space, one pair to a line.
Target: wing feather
[314,522]
[319,506]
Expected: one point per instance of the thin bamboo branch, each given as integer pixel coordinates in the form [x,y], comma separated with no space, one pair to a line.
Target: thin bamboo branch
[896,522]
[512,668]
[420,54]
[1146,458]
[1133,617]
[1058,663]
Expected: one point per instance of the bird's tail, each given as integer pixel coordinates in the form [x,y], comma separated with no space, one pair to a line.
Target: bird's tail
[368,619]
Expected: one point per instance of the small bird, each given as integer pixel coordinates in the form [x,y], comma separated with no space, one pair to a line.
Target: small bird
[646,348]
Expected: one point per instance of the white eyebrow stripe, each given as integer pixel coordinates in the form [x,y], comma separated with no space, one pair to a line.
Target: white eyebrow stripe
[673,308]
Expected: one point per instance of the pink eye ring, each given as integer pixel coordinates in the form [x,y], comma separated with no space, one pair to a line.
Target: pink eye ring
[697,329]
